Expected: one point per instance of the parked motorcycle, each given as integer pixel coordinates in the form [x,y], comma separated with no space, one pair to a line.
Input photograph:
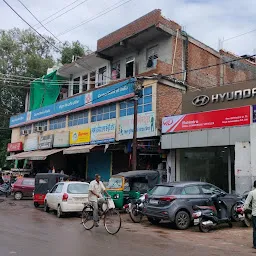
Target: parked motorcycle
[207,217]
[135,209]
[5,189]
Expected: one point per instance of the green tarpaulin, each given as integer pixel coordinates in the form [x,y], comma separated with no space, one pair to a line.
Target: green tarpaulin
[45,91]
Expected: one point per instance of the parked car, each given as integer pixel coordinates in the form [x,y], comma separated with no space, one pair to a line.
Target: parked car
[174,201]
[66,197]
[23,187]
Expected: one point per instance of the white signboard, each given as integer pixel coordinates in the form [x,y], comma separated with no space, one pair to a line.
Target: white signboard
[61,140]
[31,142]
[146,126]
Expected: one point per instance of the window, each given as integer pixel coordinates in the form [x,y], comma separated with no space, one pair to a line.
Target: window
[92,79]
[42,124]
[24,130]
[130,67]
[102,76]
[85,83]
[28,182]
[209,189]
[78,188]
[152,56]
[76,85]
[104,113]
[162,190]
[54,189]
[115,74]
[191,190]
[58,123]
[144,104]
[43,181]
[59,188]
[78,118]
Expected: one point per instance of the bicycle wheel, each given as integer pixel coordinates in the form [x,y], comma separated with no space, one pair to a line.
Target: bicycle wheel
[87,217]
[112,221]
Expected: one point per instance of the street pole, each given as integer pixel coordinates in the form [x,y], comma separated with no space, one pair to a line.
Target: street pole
[134,141]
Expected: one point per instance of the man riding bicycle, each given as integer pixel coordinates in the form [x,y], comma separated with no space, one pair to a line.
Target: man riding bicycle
[95,197]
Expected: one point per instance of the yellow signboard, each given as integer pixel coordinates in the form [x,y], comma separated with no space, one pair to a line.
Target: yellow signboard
[80,137]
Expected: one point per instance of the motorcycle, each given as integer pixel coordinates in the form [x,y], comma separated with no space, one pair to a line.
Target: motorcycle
[135,209]
[5,189]
[207,217]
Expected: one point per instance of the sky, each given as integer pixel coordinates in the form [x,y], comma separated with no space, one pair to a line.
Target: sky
[206,20]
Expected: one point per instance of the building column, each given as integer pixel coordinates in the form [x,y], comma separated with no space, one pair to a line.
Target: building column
[171,166]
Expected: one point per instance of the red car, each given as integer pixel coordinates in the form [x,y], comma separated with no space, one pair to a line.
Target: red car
[23,187]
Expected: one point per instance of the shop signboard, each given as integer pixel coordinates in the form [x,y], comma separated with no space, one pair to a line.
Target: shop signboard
[41,112]
[69,104]
[31,142]
[45,142]
[61,140]
[254,113]
[103,131]
[19,119]
[207,120]
[145,126]
[79,137]
[14,147]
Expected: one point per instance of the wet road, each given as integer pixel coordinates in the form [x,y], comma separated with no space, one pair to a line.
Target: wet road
[26,231]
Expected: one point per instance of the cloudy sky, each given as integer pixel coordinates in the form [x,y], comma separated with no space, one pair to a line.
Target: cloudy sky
[206,20]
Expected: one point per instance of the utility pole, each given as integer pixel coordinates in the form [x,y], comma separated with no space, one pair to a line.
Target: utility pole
[138,94]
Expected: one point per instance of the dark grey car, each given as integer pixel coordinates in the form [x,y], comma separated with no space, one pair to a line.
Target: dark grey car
[174,201]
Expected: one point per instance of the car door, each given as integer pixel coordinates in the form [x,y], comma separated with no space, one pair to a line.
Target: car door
[50,196]
[27,187]
[57,197]
[193,196]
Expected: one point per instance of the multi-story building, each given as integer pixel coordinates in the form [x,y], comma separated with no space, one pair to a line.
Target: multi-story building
[90,128]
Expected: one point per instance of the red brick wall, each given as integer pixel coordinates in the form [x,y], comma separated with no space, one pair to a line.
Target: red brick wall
[168,102]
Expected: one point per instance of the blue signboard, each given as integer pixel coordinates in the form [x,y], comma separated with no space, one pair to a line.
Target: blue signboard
[42,112]
[19,119]
[115,91]
[70,104]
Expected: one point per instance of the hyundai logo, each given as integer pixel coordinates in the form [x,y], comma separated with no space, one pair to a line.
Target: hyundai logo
[200,100]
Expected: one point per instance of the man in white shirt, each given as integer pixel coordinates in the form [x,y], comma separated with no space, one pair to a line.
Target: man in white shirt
[251,199]
[95,196]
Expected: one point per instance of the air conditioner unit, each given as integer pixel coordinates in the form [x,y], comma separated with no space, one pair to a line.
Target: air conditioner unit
[39,129]
[25,132]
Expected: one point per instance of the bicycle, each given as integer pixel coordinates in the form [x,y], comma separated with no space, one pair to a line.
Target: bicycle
[108,212]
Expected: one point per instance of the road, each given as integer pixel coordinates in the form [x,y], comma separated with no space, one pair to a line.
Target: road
[26,231]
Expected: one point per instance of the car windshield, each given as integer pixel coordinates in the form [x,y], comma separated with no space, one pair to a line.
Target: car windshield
[162,190]
[78,188]
[115,182]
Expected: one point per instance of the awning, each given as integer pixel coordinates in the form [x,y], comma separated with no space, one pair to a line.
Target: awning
[34,155]
[78,149]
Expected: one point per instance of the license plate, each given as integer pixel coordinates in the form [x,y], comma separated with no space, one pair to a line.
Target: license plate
[196,221]
[152,201]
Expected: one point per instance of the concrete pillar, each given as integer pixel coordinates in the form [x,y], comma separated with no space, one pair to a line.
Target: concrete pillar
[171,166]
[243,174]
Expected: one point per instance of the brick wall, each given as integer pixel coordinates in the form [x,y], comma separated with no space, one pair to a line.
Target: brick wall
[168,102]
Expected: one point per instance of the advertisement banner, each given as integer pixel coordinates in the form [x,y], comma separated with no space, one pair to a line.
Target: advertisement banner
[61,140]
[103,132]
[31,142]
[207,120]
[79,137]
[13,147]
[254,113]
[145,126]
[45,142]
[70,104]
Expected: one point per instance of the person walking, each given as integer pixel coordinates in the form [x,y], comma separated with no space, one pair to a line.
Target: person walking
[250,202]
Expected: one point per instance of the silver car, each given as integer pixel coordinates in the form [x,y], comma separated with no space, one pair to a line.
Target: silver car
[174,201]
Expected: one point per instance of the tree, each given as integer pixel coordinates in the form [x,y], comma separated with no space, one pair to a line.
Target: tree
[22,53]
[74,49]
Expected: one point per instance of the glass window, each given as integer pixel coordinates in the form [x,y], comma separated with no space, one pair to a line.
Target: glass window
[92,79]
[54,189]
[115,183]
[78,188]
[144,104]
[24,130]
[102,76]
[76,85]
[209,189]
[152,56]
[59,188]
[58,123]
[28,182]
[104,113]
[78,118]
[162,190]
[116,70]
[85,83]
[43,181]
[42,124]
[191,190]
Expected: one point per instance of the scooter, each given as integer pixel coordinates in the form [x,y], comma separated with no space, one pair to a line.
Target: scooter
[207,217]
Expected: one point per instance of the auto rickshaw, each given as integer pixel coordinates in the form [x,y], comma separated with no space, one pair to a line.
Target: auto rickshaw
[125,186]
[43,183]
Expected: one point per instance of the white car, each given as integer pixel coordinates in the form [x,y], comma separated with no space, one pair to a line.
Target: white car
[67,197]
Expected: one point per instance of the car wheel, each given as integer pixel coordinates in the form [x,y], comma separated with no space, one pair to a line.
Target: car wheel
[46,207]
[182,220]
[36,204]
[59,212]
[153,221]
[18,196]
